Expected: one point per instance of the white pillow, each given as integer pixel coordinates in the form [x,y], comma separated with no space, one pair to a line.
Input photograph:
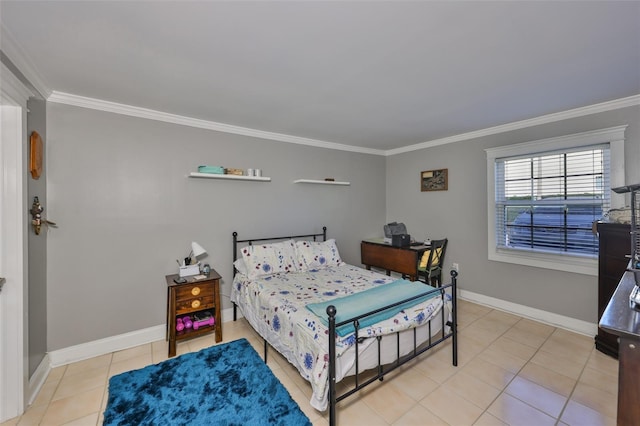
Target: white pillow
[240,266]
[268,259]
[315,254]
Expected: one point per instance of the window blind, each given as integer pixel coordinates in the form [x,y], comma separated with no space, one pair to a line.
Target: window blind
[548,201]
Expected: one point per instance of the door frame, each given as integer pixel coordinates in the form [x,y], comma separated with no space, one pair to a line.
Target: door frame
[14,374]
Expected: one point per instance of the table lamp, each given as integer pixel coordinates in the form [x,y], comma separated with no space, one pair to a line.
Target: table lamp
[191,265]
[197,249]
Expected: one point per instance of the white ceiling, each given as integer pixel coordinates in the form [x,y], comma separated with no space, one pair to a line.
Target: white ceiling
[377,75]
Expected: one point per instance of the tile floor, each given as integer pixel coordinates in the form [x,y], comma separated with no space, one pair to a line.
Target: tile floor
[512,371]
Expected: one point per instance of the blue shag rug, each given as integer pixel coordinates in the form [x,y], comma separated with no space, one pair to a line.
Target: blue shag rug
[226,384]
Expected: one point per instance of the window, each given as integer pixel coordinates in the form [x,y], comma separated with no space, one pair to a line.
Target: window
[545,195]
[549,201]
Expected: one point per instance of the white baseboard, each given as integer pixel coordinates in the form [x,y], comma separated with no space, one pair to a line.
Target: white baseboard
[128,340]
[555,320]
[114,343]
[38,378]
[135,338]
[106,345]
[227,314]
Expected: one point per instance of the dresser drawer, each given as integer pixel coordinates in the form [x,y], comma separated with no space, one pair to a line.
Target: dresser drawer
[616,249]
[615,240]
[614,267]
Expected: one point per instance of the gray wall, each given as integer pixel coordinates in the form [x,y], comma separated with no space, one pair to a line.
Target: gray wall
[460,214]
[125,209]
[118,190]
[37,245]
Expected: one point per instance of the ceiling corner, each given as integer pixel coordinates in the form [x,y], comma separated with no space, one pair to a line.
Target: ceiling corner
[21,61]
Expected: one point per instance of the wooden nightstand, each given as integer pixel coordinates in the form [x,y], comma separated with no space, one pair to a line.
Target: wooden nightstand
[193,297]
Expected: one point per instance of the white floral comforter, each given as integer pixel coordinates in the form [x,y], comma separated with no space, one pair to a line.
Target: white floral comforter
[275,306]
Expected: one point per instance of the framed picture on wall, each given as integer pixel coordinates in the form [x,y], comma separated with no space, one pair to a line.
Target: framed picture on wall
[434,180]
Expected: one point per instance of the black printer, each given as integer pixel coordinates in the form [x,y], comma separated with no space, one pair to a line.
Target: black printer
[397,234]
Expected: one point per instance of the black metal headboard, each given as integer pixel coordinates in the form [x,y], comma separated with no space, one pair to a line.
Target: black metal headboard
[250,241]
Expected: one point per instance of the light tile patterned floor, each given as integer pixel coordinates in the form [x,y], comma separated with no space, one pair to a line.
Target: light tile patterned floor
[512,371]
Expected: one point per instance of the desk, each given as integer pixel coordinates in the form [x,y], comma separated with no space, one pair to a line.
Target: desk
[618,318]
[403,260]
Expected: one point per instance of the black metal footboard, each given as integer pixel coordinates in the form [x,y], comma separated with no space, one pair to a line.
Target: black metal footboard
[400,360]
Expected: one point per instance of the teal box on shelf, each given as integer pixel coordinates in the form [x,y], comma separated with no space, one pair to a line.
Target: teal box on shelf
[218,170]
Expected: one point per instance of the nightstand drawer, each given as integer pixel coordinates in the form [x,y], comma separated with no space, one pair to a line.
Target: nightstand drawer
[189,291]
[194,304]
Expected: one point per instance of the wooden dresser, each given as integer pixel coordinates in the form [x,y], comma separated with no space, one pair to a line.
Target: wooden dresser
[614,247]
[623,321]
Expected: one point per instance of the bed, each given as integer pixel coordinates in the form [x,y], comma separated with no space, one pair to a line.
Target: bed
[332,320]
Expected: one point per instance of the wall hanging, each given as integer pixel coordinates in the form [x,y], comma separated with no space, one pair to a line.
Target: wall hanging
[434,180]
[35,155]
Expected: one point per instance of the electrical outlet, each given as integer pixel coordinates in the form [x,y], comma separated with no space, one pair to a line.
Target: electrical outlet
[455,267]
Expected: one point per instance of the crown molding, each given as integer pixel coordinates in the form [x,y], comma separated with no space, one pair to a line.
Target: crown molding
[544,119]
[13,88]
[133,111]
[21,60]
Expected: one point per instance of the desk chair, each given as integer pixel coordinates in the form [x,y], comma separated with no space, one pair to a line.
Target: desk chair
[430,267]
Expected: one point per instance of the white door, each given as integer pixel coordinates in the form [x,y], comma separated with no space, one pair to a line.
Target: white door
[11,294]
[3,407]
[13,309]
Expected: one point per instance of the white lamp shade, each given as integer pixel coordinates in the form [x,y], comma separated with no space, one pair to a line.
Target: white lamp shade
[197,249]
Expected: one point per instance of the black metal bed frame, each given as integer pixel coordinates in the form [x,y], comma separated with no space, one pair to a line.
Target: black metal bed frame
[382,370]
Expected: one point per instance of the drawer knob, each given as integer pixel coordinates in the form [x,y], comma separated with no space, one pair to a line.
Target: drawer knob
[195,291]
[195,304]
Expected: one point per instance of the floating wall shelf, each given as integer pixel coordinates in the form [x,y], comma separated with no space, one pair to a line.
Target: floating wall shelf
[230,177]
[322,182]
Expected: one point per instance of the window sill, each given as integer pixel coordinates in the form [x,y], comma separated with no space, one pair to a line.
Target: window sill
[567,263]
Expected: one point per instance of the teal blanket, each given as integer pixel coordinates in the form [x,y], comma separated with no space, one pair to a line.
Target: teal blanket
[369,300]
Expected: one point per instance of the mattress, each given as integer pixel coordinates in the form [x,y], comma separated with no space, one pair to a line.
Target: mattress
[275,306]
